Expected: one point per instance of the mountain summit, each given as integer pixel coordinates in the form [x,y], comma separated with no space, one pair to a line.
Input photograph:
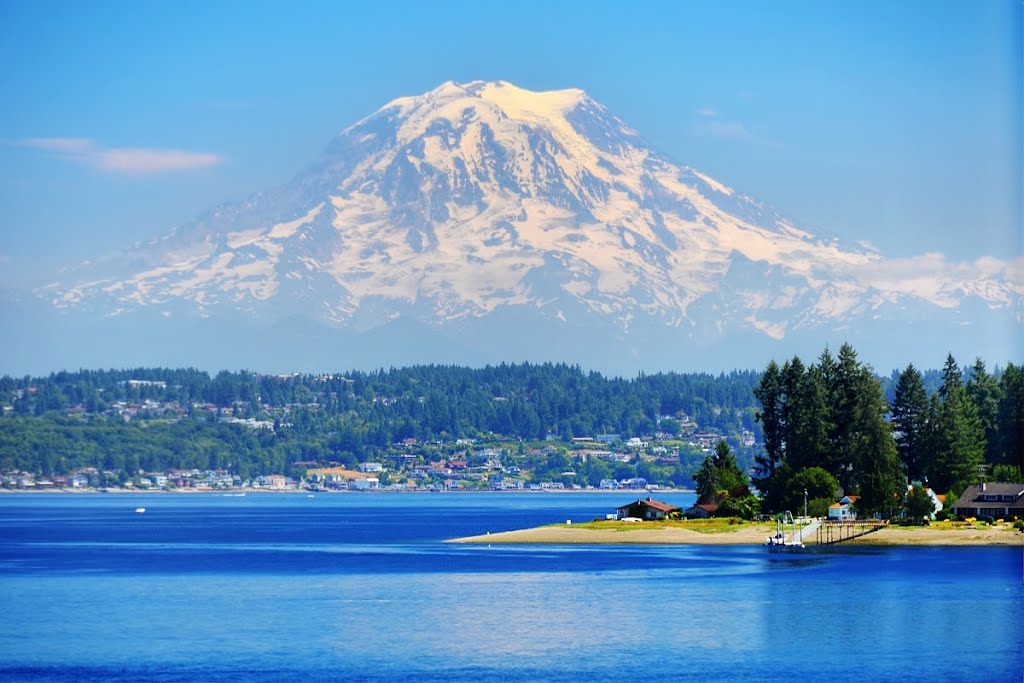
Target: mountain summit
[483,222]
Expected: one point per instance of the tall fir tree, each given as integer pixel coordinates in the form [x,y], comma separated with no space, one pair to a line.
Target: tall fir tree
[910,422]
[806,415]
[985,392]
[769,392]
[720,477]
[876,469]
[958,436]
[1011,416]
[843,395]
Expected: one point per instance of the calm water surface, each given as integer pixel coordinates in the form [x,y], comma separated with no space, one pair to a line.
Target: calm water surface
[361,587]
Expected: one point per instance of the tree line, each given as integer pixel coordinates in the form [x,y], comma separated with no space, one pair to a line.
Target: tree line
[527,401]
[828,427]
[69,420]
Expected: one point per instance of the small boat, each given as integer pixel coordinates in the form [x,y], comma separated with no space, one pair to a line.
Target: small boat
[140,510]
[780,541]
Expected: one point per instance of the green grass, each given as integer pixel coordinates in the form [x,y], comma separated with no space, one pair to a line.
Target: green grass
[705,526]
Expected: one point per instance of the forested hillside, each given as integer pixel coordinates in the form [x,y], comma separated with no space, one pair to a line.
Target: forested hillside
[829,425]
[154,419]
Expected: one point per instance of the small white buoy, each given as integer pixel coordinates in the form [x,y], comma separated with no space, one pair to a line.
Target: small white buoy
[568,521]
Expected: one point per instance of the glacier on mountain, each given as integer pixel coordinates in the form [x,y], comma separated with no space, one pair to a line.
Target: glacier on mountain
[484,198]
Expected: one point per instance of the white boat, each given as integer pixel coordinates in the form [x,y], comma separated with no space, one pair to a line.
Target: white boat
[780,541]
[140,510]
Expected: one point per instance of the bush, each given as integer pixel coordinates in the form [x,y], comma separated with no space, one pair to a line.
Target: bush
[1019,525]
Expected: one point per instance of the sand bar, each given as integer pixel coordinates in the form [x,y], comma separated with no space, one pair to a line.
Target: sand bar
[747,534]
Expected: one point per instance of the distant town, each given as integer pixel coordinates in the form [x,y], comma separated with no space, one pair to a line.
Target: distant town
[132,432]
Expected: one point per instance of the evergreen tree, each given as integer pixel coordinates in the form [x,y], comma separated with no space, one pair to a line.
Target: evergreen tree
[958,437]
[769,392]
[1011,416]
[705,480]
[844,389]
[720,477]
[910,422]
[866,440]
[985,392]
[876,466]
[805,415]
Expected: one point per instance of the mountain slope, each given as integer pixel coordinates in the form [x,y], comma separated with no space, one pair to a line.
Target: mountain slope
[478,203]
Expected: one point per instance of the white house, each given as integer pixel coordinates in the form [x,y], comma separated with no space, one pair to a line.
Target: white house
[843,511]
[367,484]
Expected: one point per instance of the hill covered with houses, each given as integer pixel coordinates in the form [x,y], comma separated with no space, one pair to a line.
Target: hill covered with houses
[498,427]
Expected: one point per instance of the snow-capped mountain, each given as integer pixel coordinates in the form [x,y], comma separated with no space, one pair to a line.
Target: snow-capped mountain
[481,213]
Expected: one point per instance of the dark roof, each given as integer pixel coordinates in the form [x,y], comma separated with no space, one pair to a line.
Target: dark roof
[651,503]
[975,497]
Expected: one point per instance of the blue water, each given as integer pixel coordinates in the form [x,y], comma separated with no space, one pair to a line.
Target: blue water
[361,587]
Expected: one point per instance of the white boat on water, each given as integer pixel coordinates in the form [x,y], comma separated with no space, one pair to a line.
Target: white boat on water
[794,540]
[140,510]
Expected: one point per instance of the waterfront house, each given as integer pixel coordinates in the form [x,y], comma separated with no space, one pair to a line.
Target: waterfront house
[999,500]
[647,508]
[701,511]
[843,510]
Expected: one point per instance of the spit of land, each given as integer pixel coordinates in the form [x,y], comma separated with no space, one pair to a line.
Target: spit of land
[726,532]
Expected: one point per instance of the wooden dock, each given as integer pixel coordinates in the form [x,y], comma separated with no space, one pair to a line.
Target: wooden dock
[830,533]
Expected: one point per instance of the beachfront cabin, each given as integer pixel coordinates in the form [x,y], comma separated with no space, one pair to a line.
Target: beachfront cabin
[647,509]
[843,510]
[998,500]
[701,511]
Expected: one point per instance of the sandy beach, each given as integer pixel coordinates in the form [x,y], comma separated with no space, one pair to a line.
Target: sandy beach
[749,534]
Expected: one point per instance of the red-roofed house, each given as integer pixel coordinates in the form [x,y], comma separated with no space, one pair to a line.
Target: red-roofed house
[645,509]
[701,510]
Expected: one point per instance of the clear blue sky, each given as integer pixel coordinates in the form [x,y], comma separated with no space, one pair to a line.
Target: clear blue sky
[897,123]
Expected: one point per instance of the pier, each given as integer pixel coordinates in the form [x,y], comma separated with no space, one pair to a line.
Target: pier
[830,533]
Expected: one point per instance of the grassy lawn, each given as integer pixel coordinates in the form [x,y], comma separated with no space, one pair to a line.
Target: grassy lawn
[704,526]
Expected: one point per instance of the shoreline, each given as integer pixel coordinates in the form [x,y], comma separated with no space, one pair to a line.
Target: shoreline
[119,491]
[749,535]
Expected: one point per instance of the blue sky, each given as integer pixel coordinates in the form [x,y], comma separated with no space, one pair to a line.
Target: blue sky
[895,123]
